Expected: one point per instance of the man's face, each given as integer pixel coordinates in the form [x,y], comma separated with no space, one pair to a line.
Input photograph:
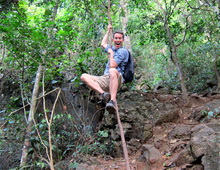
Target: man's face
[118,40]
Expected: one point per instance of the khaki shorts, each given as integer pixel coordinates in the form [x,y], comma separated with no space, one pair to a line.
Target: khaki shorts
[103,81]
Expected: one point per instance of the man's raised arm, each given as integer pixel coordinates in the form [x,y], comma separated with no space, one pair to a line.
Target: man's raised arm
[105,38]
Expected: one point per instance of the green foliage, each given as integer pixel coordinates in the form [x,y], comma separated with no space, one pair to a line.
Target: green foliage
[103,134]
[69,43]
[187,25]
[101,145]
[198,66]
[66,141]
[210,114]
[61,137]
[73,165]
[11,134]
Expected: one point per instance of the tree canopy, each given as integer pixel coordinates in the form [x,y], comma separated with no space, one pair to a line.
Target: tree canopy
[66,35]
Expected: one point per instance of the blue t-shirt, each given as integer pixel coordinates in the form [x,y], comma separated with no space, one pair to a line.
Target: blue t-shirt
[121,58]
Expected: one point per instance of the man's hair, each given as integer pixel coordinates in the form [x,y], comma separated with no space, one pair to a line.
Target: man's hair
[119,32]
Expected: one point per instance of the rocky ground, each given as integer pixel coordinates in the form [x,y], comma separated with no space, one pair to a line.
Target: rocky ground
[165,132]
[162,131]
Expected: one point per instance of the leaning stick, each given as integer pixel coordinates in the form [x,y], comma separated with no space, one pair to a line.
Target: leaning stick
[117,114]
[110,21]
[109,12]
[123,139]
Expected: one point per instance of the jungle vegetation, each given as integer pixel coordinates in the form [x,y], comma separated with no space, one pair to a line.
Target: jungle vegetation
[174,42]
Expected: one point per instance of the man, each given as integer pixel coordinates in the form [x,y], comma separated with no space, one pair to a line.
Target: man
[112,79]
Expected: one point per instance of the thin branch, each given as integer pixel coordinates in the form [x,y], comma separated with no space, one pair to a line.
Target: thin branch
[185,32]
[199,8]
[49,131]
[103,3]
[170,11]
[186,28]
[77,114]
[22,98]
[44,102]
[38,134]
[52,112]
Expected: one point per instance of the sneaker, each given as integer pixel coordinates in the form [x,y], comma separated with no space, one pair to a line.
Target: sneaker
[105,97]
[111,106]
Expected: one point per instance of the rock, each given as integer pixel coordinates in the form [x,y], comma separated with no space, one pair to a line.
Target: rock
[192,167]
[185,156]
[150,154]
[4,163]
[124,88]
[115,134]
[133,146]
[10,160]
[83,167]
[77,104]
[200,139]
[212,156]
[214,126]
[147,133]
[181,132]
[178,146]
[205,145]
[118,150]
[181,158]
[135,142]
[164,90]
[166,116]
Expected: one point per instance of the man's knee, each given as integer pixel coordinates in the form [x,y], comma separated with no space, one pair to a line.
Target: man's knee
[84,77]
[113,72]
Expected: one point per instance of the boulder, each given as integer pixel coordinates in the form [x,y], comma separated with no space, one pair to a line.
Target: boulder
[166,116]
[184,157]
[205,144]
[200,139]
[150,154]
[211,158]
[181,132]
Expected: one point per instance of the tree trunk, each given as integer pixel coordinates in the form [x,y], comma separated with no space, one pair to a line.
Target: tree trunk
[27,143]
[173,50]
[216,69]
[181,75]
[176,61]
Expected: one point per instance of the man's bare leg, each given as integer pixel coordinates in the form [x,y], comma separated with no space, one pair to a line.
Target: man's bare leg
[113,88]
[86,78]
[113,85]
